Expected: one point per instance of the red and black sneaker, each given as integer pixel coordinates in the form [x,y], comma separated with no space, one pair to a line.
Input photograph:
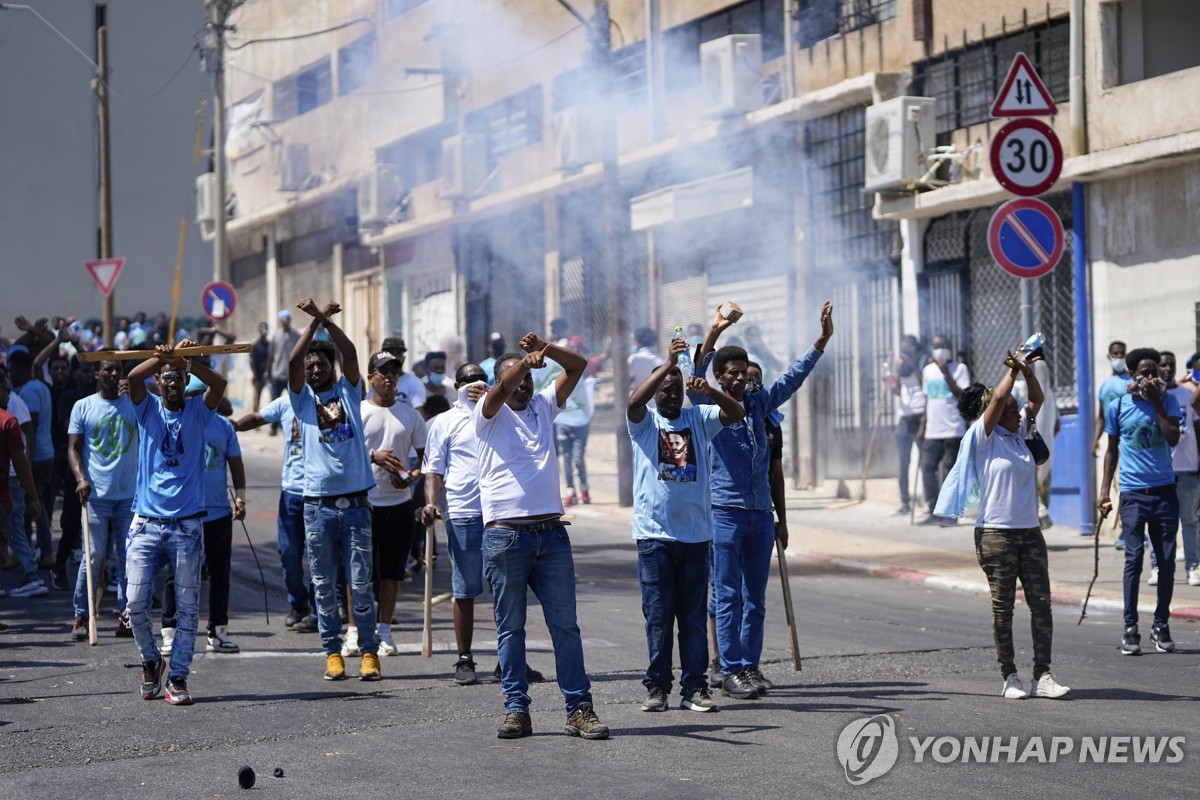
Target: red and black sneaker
[177,692]
[124,630]
[79,632]
[151,678]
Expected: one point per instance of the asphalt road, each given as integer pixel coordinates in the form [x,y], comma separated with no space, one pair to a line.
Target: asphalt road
[72,723]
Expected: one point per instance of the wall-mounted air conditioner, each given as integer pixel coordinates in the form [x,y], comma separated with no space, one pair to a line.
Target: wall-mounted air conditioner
[293,170]
[577,138]
[464,165]
[731,72]
[206,200]
[899,132]
[378,195]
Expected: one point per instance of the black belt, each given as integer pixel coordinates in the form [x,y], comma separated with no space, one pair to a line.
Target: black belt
[1165,489]
[535,526]
[355,500]
[169,520]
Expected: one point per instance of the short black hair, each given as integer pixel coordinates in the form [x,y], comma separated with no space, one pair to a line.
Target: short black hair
[501,360]
[756,365]
[1116,342]
[324,348]
[645,337]
[436,404]
[463,369]
[727,354]
[970,405]
[1140,354]
[434,354]
[1166,353]
[21,358]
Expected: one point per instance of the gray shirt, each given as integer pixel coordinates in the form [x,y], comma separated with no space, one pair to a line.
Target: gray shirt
[282,343]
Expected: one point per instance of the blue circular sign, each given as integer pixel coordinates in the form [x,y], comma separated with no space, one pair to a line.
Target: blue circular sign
[218,300]
[1025,237]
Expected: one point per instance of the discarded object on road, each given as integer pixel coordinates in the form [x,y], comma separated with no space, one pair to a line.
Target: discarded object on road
[246,776]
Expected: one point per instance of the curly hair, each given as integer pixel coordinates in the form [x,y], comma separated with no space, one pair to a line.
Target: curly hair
[1136,356]
[324,348]
[727,354]
[970,405]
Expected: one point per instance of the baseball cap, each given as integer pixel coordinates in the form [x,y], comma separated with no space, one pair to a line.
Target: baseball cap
[285,314]
[393,343]
[495,337]
[379,360]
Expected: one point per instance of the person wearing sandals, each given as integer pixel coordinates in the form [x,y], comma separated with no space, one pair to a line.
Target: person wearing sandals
[996,468]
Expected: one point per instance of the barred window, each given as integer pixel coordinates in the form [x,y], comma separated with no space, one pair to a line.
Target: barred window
[418,158]
[965,82]
[823,19]
[303,91]
[509,124]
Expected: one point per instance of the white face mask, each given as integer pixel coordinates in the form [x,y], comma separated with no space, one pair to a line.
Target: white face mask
[941,354]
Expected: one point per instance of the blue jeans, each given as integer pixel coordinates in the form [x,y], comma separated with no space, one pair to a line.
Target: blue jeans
[150,547]
[108,523]
[674,580]
[515,561]
[464,540]
[1156,511]
[341,536]
[291,551]
[572,442]
[1187,488]
[906,434]
[743,540]
[18,542]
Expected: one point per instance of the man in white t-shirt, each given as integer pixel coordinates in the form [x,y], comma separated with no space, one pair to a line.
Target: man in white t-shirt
[390,429]
[644,360]
[409,388]
[525,543]
[907,384]
[942,428]
[1185,460]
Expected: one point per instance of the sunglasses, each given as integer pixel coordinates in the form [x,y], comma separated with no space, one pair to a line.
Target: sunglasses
[477,377]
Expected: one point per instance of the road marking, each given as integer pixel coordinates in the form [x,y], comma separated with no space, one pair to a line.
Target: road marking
[487,646]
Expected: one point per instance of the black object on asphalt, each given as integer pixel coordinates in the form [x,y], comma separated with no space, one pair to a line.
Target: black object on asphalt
[279,772]
[246,776]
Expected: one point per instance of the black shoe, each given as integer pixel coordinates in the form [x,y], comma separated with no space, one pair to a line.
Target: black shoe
[464,671]
[758,680]
[1161,636]
[656,699]
[739,687]
[58,578]
[177,692]
[930,520]
[586,724]
[715,678]
[151,679]
[294,616]
[516,725]
[306,625]
[79,632]
[531,674]
[1131,644]
[904,509]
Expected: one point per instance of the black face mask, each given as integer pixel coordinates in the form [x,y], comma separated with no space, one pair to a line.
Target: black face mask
[753,386]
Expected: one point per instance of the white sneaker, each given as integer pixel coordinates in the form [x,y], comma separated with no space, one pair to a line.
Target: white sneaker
[386,646]
[1153,581]
[168,641]
[350,645]
[1046,686]
[1193,577]
[31,588]
[219,642]
[1013,688]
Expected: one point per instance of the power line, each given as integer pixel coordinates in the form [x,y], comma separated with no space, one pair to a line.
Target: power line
[163,88]
[308,35]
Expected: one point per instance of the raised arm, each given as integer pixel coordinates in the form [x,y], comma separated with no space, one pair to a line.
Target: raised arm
[146,369]
[731,410]
[214,380]
[64,335]
[344,346]
[509,381]
[719,325]
[249,422]
[644,393]
[300,349]
[995,407]
[573,364]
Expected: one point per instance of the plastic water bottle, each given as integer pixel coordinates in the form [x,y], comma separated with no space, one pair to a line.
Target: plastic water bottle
[684,362]
[1032,346]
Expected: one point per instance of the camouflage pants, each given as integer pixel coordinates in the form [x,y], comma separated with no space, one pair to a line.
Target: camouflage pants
[1007,555]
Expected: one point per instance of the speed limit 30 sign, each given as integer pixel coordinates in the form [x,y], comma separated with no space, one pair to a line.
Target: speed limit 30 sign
[1026,157]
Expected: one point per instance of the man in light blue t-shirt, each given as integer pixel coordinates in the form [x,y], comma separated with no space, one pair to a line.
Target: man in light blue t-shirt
[169,508]
[672,523]
[102,451]
[1142,427]
[337,475]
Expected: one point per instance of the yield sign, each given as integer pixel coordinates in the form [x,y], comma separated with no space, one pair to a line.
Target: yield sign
[1023,94]
[105,272]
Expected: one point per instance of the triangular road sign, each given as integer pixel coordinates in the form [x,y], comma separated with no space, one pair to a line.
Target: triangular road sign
[1023,94]
[105,272]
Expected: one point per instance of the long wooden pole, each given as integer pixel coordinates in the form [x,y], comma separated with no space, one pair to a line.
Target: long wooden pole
[427,629]
[87,556]
[787,605]
[142,355]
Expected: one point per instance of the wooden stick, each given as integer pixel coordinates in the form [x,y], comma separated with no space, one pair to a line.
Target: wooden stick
[87,554]
[427,632]
[1095,563]
[441,598]
[142,355]
[862,489]
[787,605]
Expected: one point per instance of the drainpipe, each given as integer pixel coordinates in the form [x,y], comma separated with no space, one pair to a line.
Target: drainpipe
[789,49]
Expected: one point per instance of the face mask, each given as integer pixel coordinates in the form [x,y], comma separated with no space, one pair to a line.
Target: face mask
[941,354]
[436,378]
[462,395]
[1118,365]
[753,386]
[1196,375]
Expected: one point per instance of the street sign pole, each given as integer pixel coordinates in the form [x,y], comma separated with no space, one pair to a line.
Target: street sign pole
[106,231]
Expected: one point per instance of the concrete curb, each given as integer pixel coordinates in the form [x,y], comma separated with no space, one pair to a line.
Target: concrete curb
[1058,597]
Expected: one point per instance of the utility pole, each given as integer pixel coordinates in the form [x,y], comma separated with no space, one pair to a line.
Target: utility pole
[215,59]
[106,231]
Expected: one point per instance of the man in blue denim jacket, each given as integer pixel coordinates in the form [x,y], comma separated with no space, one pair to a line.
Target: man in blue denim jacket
[743,526]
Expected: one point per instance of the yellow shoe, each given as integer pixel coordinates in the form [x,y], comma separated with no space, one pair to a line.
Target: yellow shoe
[335,667]
[369,671]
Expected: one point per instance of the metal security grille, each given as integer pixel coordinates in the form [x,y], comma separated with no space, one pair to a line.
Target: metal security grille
[822,19]
[582,283]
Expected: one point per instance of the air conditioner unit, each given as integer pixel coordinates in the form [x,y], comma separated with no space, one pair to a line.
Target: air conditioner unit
[577,138]
[899,132]
[378,195]
[206,200]
[731,72]
[464,165]
[294,171]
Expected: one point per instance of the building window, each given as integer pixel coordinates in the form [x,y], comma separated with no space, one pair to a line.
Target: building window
[356,62]
[824,19]
[509,124]
[394,8]
[965,82]
[417,158]
[1149,38]
[303,91]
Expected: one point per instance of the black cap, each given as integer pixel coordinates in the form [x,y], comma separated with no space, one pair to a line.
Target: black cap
[379,360]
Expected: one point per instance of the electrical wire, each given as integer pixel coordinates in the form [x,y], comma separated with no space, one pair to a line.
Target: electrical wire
[308,35]
[195,48]
[528,53]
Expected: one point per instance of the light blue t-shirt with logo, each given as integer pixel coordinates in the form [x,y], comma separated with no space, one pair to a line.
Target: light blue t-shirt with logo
[671,471]
[220,443]
[110,445]
[331,437]
[1113,387]
[170,481]
[37,396]
[1145,456]
[280,411]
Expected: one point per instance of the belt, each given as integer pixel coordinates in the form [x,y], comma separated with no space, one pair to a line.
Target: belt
[356,500]
[169,520]
[535,526]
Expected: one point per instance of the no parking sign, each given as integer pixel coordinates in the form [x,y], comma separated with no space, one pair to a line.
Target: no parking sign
[1025,237]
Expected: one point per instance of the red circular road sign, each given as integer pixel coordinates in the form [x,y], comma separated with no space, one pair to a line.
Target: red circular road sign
[1025,237]
[218,300]
[1026,157]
